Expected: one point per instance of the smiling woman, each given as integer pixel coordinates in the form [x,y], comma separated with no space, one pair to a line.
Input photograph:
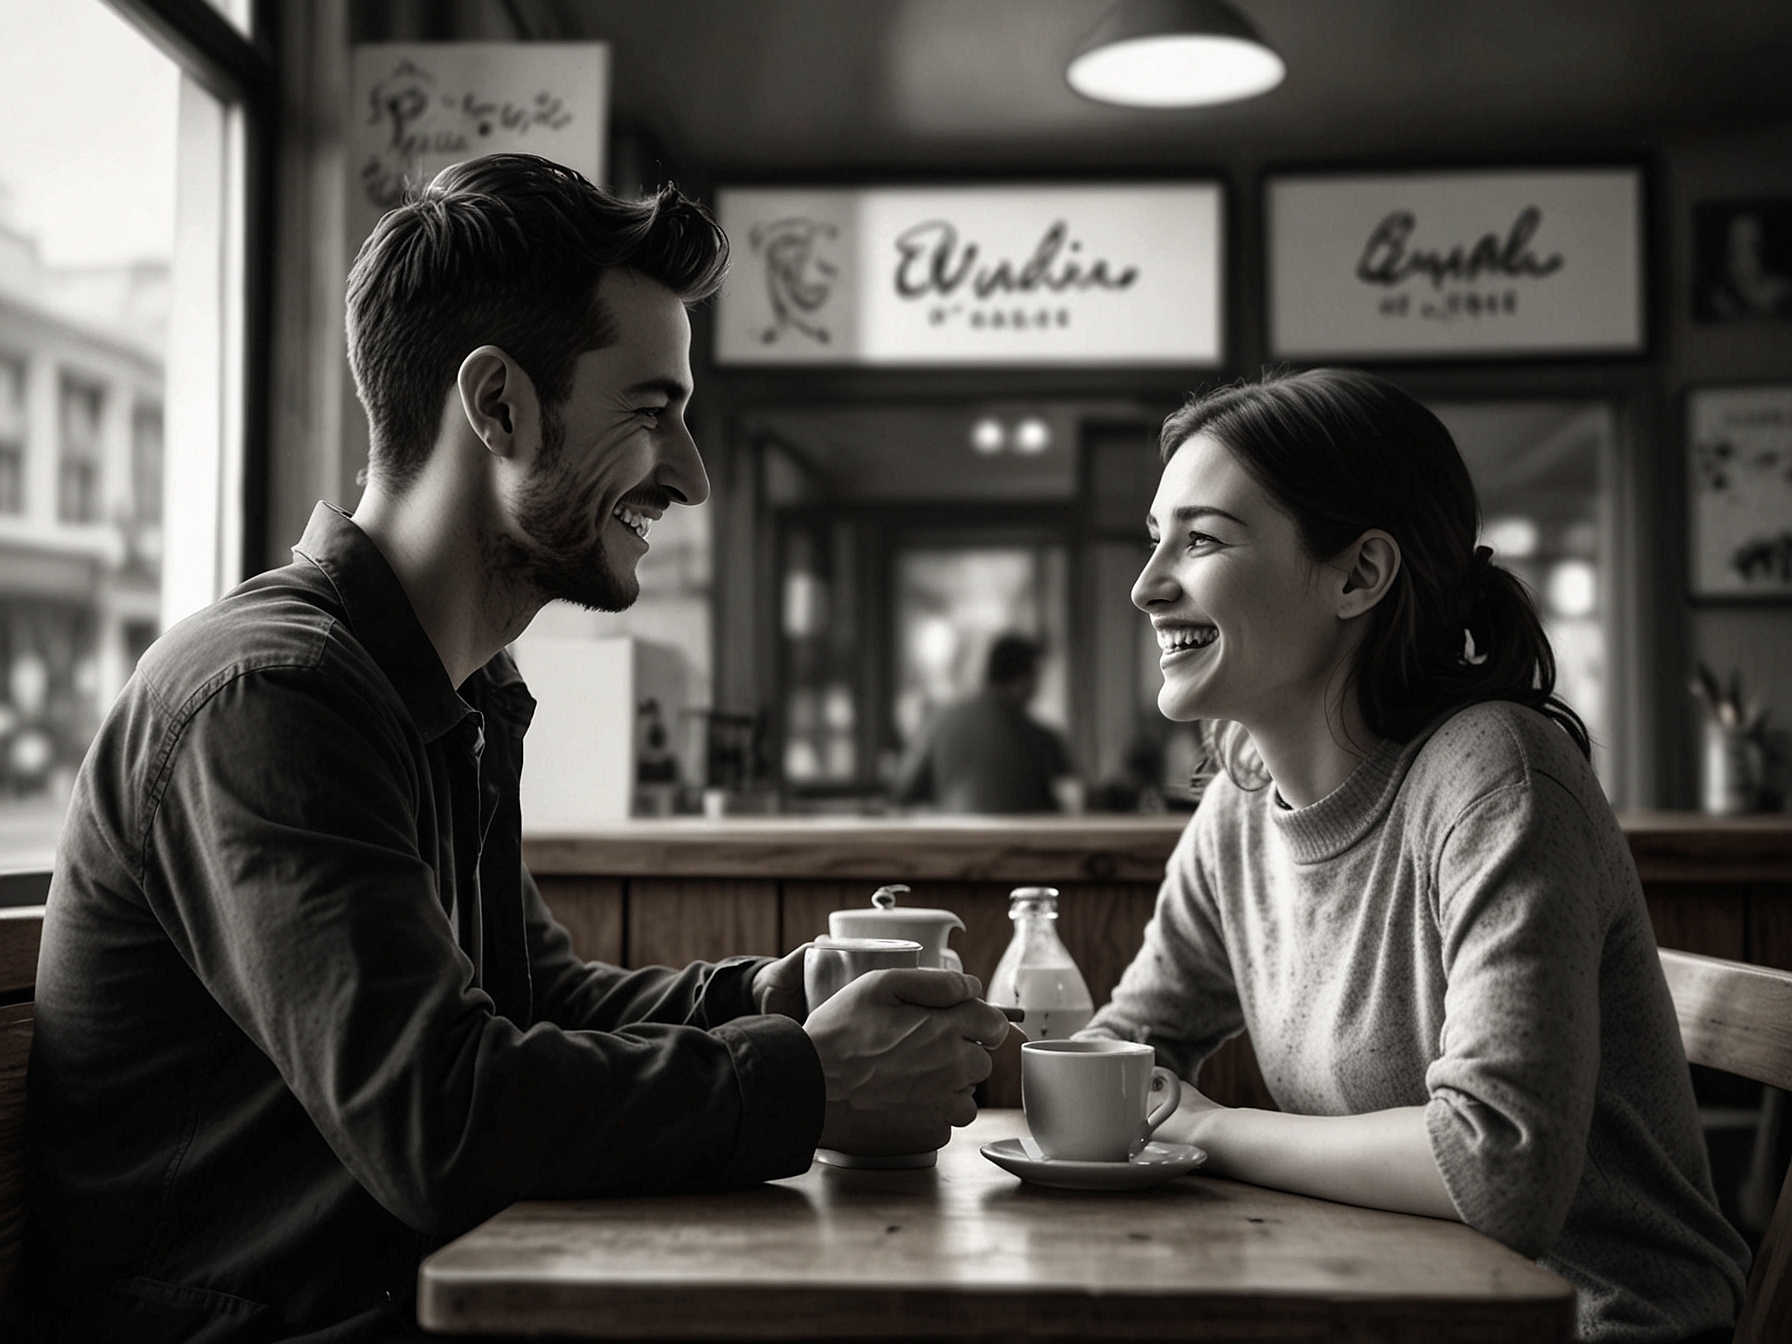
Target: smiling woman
[1410,889]
[1348,502]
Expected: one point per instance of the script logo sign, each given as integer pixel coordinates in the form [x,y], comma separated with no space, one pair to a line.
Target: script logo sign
[1389,259]
[1480,275]
[933,263]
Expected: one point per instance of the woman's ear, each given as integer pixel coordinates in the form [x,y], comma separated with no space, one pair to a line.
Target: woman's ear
[497,399]
[1369,564]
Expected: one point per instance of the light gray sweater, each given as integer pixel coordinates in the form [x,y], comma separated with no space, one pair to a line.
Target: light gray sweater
[1459,926]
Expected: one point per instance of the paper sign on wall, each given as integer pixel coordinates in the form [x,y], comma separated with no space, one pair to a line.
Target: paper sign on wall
[420,106]
[1739,460]
[1456,265]
[1010,275]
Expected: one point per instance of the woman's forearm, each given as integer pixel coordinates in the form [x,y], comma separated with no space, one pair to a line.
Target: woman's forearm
[1381,1160]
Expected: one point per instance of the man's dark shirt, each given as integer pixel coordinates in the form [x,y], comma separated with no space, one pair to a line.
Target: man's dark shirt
[986,754]
[301,1012]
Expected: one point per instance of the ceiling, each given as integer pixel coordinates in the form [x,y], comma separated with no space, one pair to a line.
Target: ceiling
[843,86]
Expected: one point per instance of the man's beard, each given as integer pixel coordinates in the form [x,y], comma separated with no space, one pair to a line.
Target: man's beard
[560,555]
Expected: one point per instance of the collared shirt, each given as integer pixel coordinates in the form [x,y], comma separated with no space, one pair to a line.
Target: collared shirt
[301,1013]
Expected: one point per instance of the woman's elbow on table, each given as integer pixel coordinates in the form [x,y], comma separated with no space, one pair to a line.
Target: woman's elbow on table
[1512,1181]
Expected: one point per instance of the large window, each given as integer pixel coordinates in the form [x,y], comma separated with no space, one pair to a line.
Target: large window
[126,230]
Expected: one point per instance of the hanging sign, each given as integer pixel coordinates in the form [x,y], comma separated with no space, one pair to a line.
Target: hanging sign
[1012,275]
[419,106]
[1456,265]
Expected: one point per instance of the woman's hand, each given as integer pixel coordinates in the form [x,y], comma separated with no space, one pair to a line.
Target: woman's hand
[1189,1123]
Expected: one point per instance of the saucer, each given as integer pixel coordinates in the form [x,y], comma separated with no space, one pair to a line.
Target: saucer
[1155,1164]
[878,1162]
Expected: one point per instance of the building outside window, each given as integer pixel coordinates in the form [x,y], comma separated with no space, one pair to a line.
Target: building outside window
[146,464]
[12,435]
[78,467]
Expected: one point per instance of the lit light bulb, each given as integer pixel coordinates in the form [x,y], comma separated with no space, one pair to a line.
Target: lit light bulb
[1512,537]
[1572,588]
[988,436]
[1032,436]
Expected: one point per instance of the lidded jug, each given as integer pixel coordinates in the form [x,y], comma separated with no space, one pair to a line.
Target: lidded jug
[885,919]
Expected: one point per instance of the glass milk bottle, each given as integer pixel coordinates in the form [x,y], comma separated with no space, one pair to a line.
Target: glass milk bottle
[1036,972]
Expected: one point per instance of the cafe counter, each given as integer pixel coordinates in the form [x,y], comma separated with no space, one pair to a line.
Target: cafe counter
[666,892]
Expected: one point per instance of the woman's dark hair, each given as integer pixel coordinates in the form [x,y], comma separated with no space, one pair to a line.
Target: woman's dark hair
[504,250]
[1341,452]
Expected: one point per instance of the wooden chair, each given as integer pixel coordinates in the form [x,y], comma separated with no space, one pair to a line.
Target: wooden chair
[1738,1018]
[21,929]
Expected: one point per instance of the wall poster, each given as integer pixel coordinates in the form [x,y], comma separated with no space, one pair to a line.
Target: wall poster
[1739,458]
[1456,265]
[419,106]
[994,275]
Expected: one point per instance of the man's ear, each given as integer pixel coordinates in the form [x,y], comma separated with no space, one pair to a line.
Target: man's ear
[1369,564]
[497,399]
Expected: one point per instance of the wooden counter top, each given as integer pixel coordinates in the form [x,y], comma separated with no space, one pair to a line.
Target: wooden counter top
[989,849]
[1692,847]
[1669,847]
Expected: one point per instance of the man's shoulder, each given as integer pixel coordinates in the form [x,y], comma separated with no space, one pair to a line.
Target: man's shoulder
[972,714]
[283,619]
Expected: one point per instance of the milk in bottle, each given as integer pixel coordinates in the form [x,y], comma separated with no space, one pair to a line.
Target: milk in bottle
[1037,974]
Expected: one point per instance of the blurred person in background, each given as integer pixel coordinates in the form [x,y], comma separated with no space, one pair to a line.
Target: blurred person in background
[987,753]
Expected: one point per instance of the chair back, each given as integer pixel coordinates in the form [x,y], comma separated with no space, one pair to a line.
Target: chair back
[21,930]
[1738,1018]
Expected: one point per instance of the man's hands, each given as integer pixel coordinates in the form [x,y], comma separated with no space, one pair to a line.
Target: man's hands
[778,986]
[901,1051]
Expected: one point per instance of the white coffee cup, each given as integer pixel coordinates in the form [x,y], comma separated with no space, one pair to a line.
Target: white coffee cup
[1094,1100]
[831,964]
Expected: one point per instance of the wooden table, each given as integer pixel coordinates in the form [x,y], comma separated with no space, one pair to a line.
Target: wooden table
[966,1251]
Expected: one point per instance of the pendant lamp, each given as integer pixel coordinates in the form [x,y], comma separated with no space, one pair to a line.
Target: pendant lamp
[1173,53]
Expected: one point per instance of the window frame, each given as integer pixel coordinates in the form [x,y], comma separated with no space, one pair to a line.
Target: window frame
[241,72]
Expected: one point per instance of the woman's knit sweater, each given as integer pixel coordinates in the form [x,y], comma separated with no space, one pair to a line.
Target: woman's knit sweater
[1459,926]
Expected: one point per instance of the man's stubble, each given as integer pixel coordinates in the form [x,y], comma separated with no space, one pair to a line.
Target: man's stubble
[560,555]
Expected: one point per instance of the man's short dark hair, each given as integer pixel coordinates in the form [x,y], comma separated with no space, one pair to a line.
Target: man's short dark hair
[1011,657]
[504,250]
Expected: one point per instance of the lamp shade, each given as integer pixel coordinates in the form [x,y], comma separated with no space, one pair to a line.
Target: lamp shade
[1173,53]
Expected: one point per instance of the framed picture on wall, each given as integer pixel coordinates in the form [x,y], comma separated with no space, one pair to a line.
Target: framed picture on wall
[1454,265]
[1739,491]
[1742,260]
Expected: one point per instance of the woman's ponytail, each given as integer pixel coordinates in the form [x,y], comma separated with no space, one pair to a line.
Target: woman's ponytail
[1483,640]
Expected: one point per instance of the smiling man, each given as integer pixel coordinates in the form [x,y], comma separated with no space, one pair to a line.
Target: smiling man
[301,1012]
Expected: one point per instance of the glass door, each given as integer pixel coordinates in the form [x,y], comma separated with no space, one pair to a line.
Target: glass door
[953,602]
